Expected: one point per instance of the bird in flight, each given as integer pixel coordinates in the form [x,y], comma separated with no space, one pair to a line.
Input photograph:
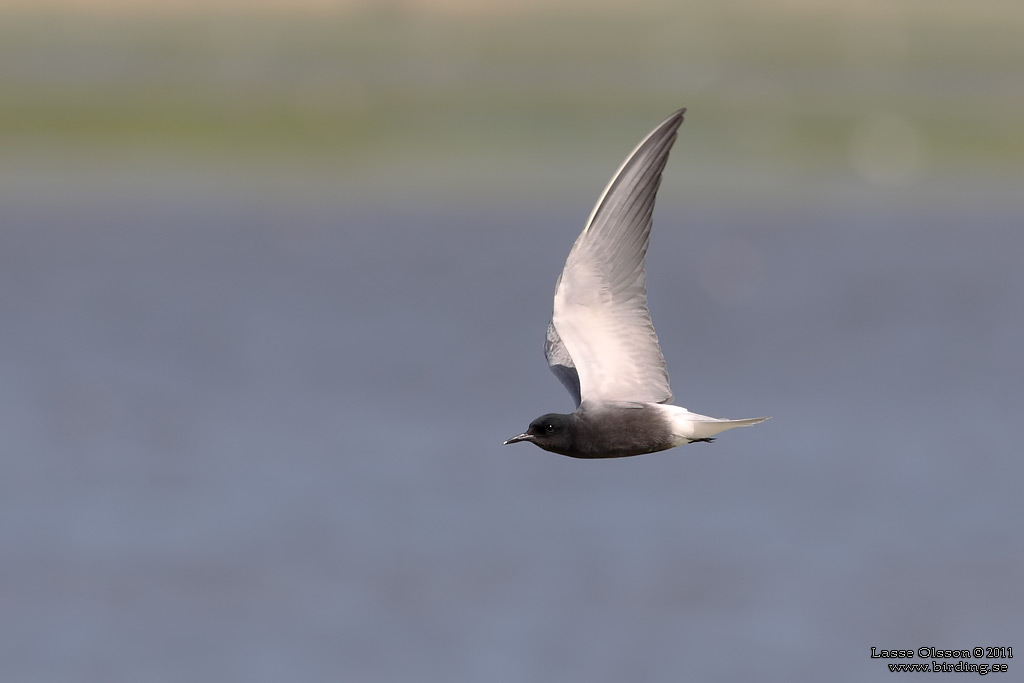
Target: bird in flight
[601,343]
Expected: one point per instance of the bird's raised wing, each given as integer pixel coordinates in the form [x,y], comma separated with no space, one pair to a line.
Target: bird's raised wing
[600,321]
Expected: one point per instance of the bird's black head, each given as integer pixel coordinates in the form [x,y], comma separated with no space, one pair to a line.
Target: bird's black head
[552,432]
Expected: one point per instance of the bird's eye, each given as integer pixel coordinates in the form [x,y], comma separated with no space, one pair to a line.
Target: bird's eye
[549,428]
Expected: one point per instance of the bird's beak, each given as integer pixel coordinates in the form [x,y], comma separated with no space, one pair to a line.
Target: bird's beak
[517,439]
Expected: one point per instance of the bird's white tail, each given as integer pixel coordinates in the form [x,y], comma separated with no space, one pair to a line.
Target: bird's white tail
[691,426]
[709,427]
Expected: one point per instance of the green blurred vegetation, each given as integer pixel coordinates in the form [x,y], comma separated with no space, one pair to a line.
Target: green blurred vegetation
[400,94]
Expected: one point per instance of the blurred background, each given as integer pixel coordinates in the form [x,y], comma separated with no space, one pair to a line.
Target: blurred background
[274,278]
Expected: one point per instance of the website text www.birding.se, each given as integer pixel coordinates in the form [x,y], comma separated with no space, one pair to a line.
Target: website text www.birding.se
[946,661]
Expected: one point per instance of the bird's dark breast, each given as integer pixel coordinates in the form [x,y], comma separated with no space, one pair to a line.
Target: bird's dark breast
[619,432]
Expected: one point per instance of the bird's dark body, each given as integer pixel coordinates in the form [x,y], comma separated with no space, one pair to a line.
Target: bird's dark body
[615,431]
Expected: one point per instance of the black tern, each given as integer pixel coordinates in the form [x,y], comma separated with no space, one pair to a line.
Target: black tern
[601,343]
